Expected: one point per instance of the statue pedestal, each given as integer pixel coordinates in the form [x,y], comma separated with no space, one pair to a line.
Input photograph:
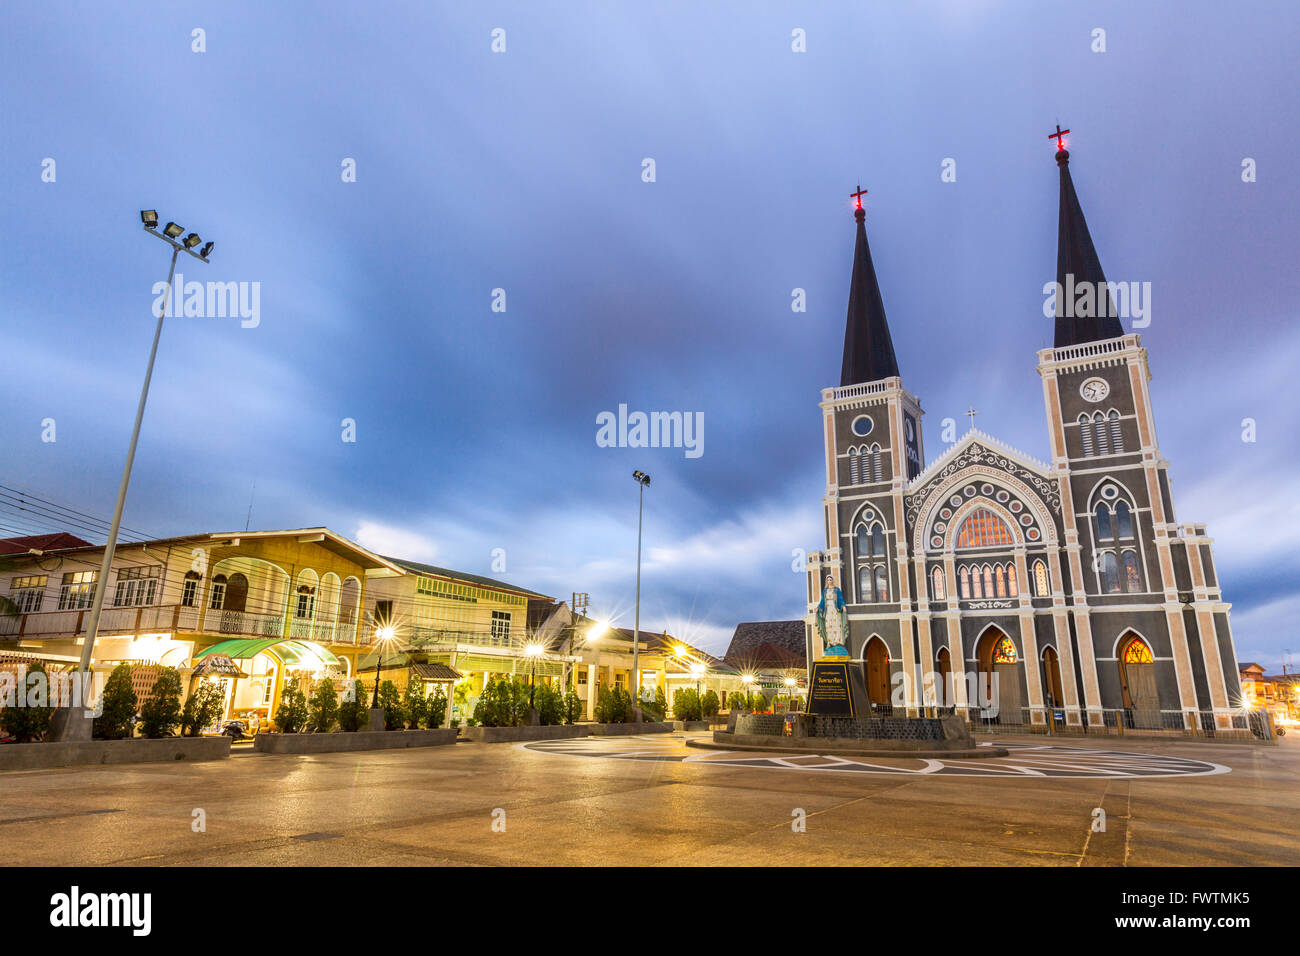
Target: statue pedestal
[837,688]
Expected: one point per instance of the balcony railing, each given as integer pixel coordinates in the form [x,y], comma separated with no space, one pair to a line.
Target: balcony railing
[112,620]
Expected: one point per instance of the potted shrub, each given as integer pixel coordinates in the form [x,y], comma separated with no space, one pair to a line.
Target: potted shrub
[353,712]
[201,708]
[292,715]
[391,702]
[324,707]
[117,715]
[31,721]
[414,704]
[161,713]
[436,711]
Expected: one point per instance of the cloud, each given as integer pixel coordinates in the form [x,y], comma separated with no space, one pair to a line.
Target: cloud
[395,542]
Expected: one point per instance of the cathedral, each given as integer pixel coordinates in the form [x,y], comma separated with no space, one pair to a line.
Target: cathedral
[1058,594]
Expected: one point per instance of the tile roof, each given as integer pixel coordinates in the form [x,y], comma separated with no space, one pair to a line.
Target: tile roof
[54,541]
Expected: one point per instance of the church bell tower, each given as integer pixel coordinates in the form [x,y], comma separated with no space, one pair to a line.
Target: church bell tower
[873,448]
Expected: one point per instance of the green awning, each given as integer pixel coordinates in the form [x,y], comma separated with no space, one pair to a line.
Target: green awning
[291,653]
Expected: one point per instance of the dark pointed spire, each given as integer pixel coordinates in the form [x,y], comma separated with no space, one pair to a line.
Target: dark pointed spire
[868,349]
[1076,264]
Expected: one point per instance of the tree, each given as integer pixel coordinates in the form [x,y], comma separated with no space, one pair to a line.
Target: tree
[353,712]
[436,713]
[324,707]
[549,704]
[709,705]
[415,704]
[30,721]
[686,704]
[391,701]
[572,707]
[202,707]
[517,701]
[291,717]
[161,713]
[117,715]
[661,702]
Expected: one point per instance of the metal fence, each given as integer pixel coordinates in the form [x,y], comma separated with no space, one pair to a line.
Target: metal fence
[1118,721]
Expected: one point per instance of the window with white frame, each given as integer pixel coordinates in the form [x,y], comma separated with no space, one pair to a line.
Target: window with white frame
[77,590]
[190,589]
[28,592]
[501,625]
[136,586]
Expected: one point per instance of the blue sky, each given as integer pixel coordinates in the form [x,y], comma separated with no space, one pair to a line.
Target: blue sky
[522,171]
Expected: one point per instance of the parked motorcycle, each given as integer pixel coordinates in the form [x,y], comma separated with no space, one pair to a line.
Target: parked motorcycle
[237,729]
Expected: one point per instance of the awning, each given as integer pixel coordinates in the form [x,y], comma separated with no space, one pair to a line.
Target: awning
[435,671]
[290,653]
[219,665]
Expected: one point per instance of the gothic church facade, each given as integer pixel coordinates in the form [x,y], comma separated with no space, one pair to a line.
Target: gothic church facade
[1070,581]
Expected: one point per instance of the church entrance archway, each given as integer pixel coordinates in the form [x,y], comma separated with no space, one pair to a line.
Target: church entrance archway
[998,658]
[1055,696]
[1137,678]
[877,672]
[943,687]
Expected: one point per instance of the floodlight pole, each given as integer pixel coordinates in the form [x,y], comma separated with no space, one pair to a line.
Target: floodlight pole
[101,584]
[642,480]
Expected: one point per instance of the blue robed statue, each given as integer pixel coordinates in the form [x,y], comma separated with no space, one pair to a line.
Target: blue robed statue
[833,620]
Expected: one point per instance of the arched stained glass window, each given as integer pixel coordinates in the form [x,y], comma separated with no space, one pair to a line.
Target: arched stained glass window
[864,542]
[1109,573]
[1132,576]
[1104,530]
[988,581]
[1001,578]
[983,529]
[1041,584]
[1137,652]
[976,583]
[937,583]
[963,582]
[877,542]
[1004,652]
[864,585]
[882,585]
[1123,519]
[1013,588]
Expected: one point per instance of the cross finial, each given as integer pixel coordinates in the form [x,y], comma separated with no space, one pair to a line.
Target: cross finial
[972,412]
[857,196]
[1058,135]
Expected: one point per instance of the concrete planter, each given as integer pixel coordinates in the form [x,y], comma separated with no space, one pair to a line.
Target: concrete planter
[690,725]
[342,742]
[495,735]
[76,753]
[619,730]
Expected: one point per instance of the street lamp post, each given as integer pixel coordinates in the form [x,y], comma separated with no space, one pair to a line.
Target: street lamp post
[643,480]
[698,670]
[384,633]
[533,651]
[72,725]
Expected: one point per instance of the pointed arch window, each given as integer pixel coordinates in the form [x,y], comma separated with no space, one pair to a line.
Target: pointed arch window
[864,585]
[983,529]
[1109,573]
[1085,436]
[1001,579]
[1041,586]
[1137,652]
[1132,574]
[864,541]
[1105,530]
[963,582]
[988,581]
[855,474]
[882,585]
[937,584]
[1123,519]
[877,541]
[1004,652]
[1099,430]
[1013,586]
[1116,433]
[877,463]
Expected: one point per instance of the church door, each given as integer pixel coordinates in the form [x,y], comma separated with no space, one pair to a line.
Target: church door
[943,688]
[877,674]
[1137,671]
[1052,678]
[998,658]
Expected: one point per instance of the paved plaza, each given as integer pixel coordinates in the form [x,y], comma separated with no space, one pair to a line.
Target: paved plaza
[653,800]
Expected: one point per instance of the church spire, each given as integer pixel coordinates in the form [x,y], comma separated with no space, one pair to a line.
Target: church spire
[1077,266]
[868,349]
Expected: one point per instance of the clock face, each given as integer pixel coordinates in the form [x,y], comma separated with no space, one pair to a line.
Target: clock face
[1094,389]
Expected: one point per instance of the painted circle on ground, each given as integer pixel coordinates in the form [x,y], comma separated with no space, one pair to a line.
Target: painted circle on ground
[1025,761]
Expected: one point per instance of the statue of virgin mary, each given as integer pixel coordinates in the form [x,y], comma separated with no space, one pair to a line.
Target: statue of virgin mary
[833,620]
